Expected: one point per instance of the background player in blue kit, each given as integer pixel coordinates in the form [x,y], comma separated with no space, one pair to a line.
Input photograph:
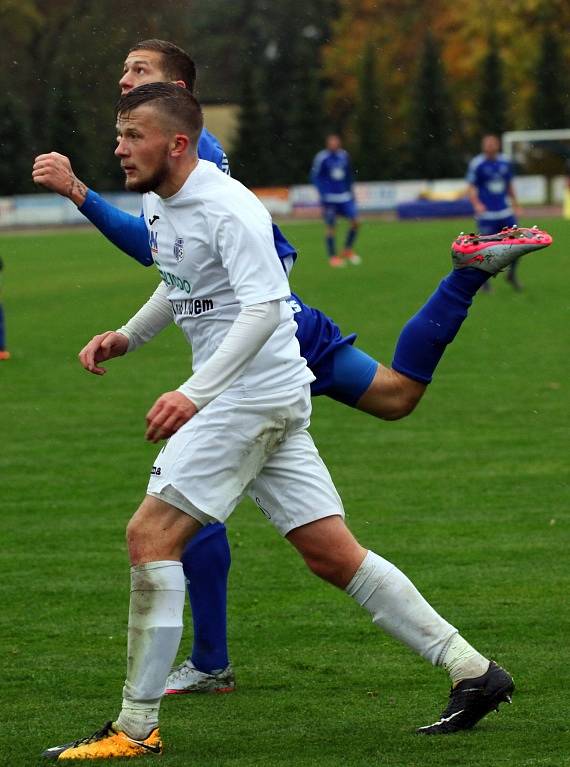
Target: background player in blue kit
[491,191]
[343,372]
[332,174]
[4,353]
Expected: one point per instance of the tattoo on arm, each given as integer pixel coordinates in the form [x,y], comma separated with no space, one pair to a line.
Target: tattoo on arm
[77,190]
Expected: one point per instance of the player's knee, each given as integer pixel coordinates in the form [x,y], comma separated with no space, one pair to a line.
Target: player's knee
[402,406]
[135,540]
[320,566]
[328,567]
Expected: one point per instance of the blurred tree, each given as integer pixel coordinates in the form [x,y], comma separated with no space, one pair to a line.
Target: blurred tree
[251,161]
[14,138]
[371,158]
[430,125]
[397,28]
[281,122]
[492,103]
[550,104]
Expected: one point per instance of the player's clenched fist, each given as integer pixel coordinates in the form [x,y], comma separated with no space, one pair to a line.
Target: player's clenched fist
[103,347]
[54,172]
[170,411]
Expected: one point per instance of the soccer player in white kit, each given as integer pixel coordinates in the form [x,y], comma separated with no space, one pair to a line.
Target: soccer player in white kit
[237,426]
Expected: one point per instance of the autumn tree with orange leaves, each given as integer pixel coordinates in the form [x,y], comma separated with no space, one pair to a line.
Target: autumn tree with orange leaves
[464,33]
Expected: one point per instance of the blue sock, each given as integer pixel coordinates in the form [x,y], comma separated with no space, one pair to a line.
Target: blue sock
[331,246]
[206,562]
[425,336]
[2,337]
[350,237]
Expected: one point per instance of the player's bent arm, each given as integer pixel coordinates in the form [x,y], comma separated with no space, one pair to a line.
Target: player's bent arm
[514,201]
[150,319]
[54,172]
[153,317]
[127,232]
[249,332]
[474,198]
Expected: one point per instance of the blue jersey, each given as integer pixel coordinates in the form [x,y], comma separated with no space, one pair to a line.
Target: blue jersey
[332,175]
[492,179]
[209,148]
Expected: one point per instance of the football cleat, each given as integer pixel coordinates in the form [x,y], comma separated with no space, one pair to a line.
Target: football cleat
[471,700]
[186,678]
[494,252]
[337,261]
[352,258]
[4,355]
[106,743]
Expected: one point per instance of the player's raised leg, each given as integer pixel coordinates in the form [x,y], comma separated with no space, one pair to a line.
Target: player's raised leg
[394,392]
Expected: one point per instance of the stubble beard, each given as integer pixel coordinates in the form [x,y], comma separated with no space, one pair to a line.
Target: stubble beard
[149,184]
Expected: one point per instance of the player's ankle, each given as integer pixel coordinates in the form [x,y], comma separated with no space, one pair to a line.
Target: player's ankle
[137,722]
[461,661]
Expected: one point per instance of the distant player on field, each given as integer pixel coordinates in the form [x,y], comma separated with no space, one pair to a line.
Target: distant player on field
[239,425]
[491,191]
[332,174]
[4,353]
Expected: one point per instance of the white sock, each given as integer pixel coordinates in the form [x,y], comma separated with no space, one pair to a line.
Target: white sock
[461,661]
[155,628]
[398,607]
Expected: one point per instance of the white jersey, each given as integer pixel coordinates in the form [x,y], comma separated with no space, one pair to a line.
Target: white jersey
[213,245]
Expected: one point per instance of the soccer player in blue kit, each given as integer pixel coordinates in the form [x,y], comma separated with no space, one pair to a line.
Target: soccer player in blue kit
[332,174]
[342,371]
[491,191]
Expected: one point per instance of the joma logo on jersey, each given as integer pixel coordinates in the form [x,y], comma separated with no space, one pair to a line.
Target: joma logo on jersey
[153,242]
[178,249]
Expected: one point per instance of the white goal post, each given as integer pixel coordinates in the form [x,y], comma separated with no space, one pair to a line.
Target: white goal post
[529,137]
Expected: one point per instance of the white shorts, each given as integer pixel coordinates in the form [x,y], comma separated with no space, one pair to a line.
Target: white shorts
[259,447]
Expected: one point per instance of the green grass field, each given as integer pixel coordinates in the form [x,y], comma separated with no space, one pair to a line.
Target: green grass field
[469,496]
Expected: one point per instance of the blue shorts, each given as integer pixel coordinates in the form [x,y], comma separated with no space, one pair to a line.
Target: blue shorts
[486,226]
[342,372]
[333,209]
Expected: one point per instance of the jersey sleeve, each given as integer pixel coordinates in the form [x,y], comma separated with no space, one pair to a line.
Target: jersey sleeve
[209,148]
[150,319]
[349,172]
[316,169]
[471,175]
[247,252]
[127,232]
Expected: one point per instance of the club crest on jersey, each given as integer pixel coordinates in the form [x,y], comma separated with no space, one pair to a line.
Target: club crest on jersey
[178,249]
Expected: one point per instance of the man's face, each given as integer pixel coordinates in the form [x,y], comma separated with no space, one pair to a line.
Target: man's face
[141,67]
[143,148]
[490,146]
[333,143]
